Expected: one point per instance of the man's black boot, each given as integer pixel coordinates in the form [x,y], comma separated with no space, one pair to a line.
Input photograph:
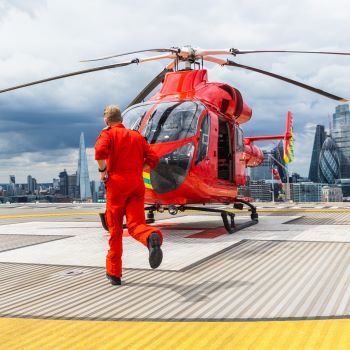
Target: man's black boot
[155,252]
[116,281]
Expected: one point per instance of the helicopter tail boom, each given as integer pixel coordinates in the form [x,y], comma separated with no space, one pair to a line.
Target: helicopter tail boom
[251,150]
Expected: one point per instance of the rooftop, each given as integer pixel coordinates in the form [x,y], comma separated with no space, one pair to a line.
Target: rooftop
[283,282]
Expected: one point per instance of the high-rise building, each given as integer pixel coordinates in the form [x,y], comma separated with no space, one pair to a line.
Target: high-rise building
[34,184]
[263,171]
[277,153]
[329,163]
[306,192]
[30,184]
[341,135]
[260,190]
[320,136]
[73,190]
[12,185]
[83,180]
[93,191]
[63,176]
[56,183]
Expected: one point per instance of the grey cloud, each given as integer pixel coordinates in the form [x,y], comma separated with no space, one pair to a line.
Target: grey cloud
[28,7]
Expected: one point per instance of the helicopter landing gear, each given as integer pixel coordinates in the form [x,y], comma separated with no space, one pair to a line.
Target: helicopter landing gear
[254,215]
[228,217]
[150,214]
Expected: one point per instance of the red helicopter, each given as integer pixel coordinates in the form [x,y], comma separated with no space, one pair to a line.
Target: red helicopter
[195,127]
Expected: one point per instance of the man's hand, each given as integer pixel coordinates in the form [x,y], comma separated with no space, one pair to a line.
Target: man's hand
[102,165]
[103,176]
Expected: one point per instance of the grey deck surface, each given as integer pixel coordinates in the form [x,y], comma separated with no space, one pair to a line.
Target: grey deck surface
[252,280]
[292,265]
[13,241]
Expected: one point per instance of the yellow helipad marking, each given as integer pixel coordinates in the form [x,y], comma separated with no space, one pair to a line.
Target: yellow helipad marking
[46,214]
[57,334]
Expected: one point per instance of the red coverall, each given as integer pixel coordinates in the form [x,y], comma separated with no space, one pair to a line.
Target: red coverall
[125,152]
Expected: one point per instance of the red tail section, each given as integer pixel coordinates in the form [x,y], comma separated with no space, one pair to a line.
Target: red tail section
[254,155]
[288,149]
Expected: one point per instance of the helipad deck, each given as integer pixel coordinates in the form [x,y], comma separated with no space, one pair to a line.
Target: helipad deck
[284,282]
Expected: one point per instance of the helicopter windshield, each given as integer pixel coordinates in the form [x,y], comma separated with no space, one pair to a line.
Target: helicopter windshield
[132,117]
[170,121]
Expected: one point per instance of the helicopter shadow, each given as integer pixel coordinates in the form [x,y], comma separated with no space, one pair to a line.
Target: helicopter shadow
[194,292]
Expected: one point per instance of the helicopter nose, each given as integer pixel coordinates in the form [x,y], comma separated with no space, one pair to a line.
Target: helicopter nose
[172,169]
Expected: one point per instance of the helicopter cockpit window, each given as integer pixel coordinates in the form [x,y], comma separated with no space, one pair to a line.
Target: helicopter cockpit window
[203,142]
[172,121]
[239,140]
[132,117]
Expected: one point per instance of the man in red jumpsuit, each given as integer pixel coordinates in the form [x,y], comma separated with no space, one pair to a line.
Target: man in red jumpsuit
[121,155]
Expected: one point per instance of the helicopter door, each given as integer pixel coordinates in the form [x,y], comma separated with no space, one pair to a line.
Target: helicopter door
[224,152]
[240,167]
[203,142]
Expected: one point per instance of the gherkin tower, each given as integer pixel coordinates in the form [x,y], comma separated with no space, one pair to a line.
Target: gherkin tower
[329,163]
[83,180]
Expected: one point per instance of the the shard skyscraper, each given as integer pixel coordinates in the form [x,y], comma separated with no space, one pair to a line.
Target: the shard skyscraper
[83,180]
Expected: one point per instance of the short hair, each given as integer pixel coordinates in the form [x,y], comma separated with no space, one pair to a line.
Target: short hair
[112,113]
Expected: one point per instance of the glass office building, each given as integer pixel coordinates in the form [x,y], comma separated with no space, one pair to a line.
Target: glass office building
[263,171]
[341,135]
[329,163]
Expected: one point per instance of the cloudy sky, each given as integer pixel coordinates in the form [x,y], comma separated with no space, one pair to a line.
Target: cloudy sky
[40,125]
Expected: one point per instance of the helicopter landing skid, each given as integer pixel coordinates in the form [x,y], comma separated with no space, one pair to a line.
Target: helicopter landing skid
[228,217]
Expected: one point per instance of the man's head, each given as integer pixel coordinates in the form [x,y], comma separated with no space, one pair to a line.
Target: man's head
[112,115]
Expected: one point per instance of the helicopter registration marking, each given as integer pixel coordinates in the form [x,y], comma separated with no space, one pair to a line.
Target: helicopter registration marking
[147,180]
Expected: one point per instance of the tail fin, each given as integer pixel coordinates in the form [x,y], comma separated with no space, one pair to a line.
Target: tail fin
[288,149]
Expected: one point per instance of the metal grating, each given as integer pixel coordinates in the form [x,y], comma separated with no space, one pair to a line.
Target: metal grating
[252,280]
[332,219]
[13,241]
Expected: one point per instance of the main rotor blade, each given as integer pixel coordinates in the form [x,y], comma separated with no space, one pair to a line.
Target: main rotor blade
[69,75]
[290,81]
[130,53]
[116,65]
[241,52]
[234,52]
[150,87]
